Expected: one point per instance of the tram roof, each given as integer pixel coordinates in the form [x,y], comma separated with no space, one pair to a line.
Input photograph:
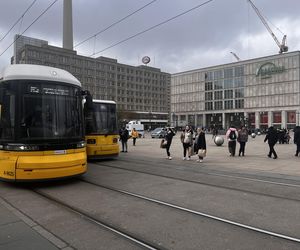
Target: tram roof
[37,72]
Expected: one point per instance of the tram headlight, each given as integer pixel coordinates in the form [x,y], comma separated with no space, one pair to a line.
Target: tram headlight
[80,144]
[21,147]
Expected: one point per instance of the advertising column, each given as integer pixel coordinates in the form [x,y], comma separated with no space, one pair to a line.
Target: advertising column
[283,119]
[256,119]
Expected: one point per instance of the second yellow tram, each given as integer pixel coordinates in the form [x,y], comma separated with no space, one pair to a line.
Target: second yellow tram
[101,133]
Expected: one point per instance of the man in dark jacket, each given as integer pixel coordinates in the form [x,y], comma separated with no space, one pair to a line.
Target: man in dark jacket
[297,139]
[124,135]
[272,138]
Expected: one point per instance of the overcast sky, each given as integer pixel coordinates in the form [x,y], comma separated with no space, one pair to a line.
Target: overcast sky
[201,38]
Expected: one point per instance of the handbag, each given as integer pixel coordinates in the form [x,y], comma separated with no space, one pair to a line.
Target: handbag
[163,143]
[202,152]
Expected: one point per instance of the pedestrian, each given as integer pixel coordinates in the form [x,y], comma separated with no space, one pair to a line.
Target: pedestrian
[242,139]
[200,144]
[134,135]
[124,135]
[187,142]
[272,138]
[231,136]
[297,139]
[214,132]
[168,137]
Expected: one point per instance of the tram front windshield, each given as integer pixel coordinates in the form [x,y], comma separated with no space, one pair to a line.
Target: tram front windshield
[40,111]
[102,119]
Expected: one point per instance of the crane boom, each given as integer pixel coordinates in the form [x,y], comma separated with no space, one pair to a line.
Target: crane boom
[235,55]
[282,46]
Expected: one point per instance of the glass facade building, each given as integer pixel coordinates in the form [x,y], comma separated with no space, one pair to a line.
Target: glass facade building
[258,93]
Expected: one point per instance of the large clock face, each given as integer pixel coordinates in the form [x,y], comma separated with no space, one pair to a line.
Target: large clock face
[146,59]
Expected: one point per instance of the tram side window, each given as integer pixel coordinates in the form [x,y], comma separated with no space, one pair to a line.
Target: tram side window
[7,115]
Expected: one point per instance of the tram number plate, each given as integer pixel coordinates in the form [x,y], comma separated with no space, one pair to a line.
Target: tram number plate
[60,152]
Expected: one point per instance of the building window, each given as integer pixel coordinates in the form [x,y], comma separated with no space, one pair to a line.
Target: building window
[239,93]
[218,74]
[208,96]
[218,84]
[209,106]
[218,95]
[228,83]
[219,105]
[239,71]
[228,73]
[208,76]
[228,94]
[276,117]
[239,104]
[291,117]
[208,86]
[239,82]
[228,104]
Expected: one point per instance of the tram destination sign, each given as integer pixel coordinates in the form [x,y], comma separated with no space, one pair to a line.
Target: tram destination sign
[48,91]
[268,69]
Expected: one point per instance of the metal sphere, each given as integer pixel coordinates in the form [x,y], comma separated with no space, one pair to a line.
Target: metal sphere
[219,140]
[253,135]
[258,133]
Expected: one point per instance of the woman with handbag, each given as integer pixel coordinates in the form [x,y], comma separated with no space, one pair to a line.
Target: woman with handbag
[187,142]
[200,144]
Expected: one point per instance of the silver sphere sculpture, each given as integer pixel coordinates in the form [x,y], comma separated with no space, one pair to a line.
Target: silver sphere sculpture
[253,135]
[219,140]
[258,133]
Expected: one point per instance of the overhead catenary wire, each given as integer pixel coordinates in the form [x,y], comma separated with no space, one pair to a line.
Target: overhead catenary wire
[115,23]
[151,28]
[20,18]
[35,20]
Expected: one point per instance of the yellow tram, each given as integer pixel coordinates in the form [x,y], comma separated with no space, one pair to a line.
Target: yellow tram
[41,124]
[101,132]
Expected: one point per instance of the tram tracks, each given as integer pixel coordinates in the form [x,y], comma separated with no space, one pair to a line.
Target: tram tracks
[142,240]
[241,189]
[198,213]
[137,240]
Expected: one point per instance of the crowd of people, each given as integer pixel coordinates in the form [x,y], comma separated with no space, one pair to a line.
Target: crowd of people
[194,142]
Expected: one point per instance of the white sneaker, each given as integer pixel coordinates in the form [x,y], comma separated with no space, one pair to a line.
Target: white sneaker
[170,158]
[189,158]
[183,158]
[201,161]
[198,160]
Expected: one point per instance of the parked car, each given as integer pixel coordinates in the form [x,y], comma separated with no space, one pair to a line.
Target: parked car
[158,133]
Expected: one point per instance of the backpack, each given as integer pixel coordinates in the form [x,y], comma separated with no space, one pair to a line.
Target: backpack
[232,135]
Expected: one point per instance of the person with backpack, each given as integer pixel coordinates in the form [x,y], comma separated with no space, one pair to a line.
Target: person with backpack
[242,139]
[272,138]
[187,142]
[231,136]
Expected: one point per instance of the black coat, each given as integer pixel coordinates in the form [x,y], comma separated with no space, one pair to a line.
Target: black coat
[169,136]
[297,136]
[271,137]
[124,134]
[200,142]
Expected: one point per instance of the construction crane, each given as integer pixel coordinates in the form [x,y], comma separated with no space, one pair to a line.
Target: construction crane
[282,46]
[235,55]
